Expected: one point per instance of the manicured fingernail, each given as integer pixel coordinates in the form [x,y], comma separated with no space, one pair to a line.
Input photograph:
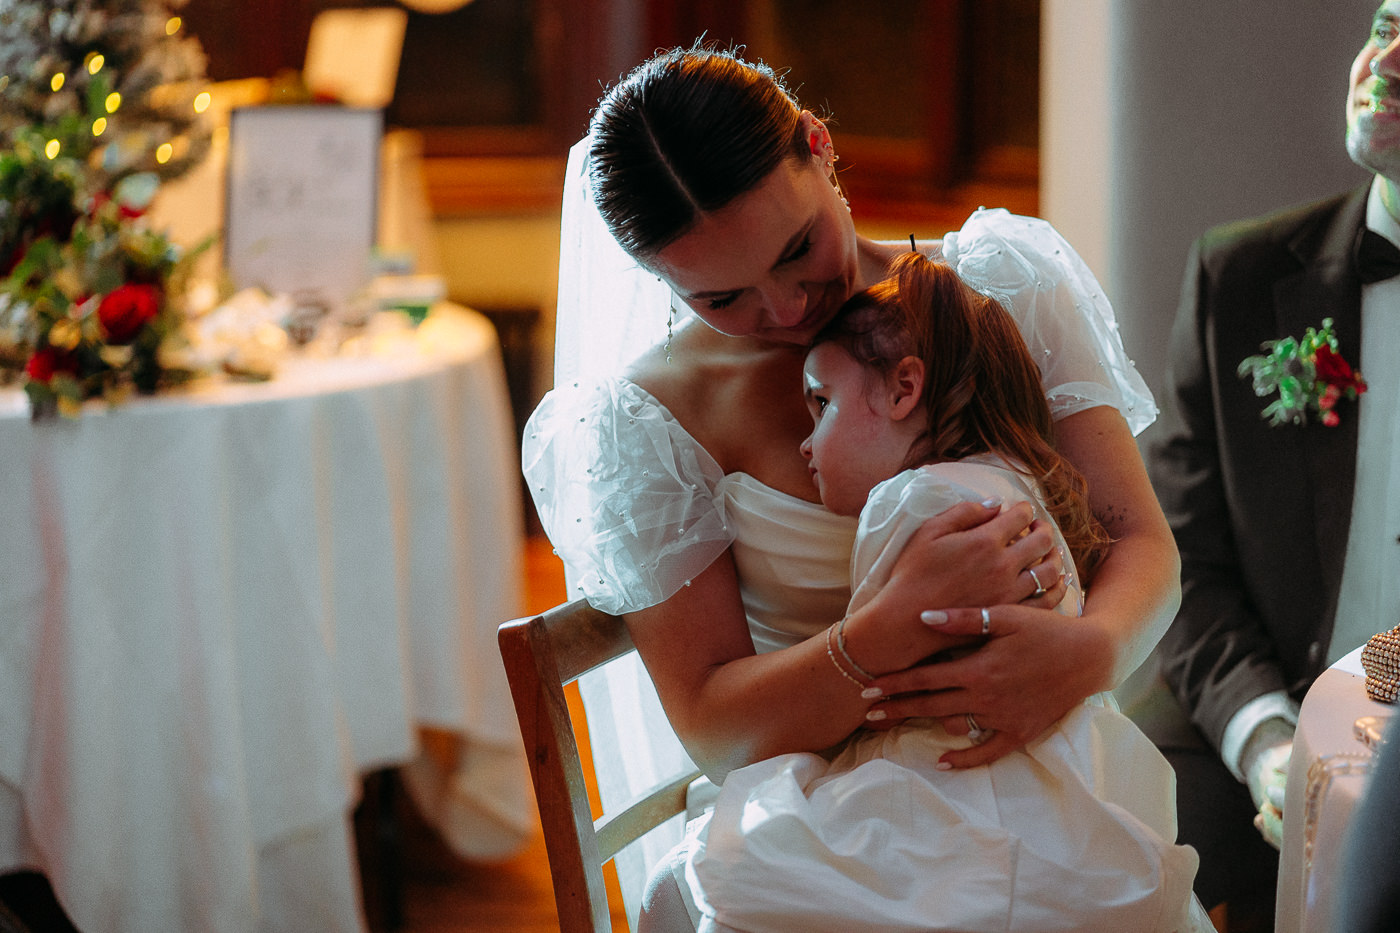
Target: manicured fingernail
[872,693]
[933,617]
[943,766]
[991,502]
[875,715]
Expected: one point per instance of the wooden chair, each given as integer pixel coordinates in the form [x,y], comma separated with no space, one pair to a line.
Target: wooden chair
[542,654]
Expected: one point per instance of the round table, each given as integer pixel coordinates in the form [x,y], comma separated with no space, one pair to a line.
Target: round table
[219,607]
[1327,775]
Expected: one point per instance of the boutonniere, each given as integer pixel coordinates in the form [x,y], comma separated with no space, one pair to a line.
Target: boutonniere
[1307,374]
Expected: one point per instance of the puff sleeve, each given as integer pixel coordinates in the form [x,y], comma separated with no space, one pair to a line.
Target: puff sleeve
[625,494]
[1060,308]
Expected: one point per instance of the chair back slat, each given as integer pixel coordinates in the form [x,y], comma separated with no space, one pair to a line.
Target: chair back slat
[647,810]
[585,638]
[541,654]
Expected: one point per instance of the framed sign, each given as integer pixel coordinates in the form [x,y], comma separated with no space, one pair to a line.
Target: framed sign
[301,200]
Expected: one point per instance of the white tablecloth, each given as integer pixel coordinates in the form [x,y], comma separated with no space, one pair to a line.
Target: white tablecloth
[1327,775]
[219,607]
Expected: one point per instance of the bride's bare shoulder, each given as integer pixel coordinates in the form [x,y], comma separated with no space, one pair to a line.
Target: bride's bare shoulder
[689,373]
[714,384]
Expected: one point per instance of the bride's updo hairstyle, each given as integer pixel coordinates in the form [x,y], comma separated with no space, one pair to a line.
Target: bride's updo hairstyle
[982,390]
[683,134]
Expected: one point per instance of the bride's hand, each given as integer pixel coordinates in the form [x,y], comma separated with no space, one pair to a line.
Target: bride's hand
[971,554]
[1034,668]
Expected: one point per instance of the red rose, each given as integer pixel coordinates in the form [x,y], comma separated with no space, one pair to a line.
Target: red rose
[126,309]
[48,361]
[1335,371]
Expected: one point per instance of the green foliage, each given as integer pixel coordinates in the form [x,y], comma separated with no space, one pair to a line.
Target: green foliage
[1308,374]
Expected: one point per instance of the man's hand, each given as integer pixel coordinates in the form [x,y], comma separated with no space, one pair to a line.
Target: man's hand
[1266,776]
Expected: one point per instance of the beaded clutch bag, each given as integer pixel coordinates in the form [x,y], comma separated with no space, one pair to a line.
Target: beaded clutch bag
[1380,658]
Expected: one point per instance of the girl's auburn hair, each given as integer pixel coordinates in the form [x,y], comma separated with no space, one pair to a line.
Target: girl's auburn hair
[982,390]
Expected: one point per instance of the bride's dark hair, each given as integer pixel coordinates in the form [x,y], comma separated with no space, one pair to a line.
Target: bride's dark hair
[685,133]
[982,390]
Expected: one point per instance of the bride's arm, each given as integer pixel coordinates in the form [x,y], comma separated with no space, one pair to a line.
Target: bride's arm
[1137,590]
[731,706]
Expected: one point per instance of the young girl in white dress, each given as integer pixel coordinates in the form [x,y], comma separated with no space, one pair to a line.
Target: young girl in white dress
[922,379]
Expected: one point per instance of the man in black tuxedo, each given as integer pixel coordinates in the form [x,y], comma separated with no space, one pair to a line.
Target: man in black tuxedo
[1278,578]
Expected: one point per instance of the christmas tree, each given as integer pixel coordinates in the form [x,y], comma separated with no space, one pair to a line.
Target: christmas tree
[100,100]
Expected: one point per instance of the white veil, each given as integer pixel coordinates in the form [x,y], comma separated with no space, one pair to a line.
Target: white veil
[609,311]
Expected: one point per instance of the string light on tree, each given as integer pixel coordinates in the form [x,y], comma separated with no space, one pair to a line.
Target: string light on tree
[72,63]
[99,107]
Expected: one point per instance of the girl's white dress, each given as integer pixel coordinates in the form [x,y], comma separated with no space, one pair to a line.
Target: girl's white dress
[1077,827]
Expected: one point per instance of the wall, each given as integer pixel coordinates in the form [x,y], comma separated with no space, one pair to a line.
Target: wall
[506,261]
[1163,119]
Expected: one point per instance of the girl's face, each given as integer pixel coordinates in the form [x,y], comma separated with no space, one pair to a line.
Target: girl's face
[856,440]
[776,263]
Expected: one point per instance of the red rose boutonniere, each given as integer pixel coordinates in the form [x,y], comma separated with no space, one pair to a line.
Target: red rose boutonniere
[1307,374]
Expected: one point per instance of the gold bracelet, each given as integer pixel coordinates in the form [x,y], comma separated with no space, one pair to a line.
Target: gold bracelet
[841,647]
[837,664]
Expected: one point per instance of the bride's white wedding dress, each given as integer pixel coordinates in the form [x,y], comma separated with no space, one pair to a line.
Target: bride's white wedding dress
[1073,832]
[635,506]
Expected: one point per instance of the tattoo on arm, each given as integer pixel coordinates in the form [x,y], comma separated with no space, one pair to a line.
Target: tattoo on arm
[1113,518]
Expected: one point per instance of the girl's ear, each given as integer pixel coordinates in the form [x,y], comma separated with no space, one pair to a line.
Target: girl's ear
[906,387]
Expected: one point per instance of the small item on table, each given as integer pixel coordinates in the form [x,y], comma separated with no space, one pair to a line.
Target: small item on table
[1380,658]
[308,310]
[414,295]
[1370,731]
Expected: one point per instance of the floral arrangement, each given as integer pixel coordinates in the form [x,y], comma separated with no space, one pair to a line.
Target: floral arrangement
[99,101]
[1308,375]
[98,313]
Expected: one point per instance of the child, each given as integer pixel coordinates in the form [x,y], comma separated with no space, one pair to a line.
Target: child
[923,379]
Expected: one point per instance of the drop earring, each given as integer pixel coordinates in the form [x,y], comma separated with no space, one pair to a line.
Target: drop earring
[836,182]
[670,323]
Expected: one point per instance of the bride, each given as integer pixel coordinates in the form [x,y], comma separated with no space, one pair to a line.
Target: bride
[670,481]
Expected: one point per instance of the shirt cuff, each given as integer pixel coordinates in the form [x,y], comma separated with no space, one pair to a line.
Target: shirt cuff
[1275,705]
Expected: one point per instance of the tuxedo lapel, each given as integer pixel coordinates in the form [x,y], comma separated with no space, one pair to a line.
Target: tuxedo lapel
[1328,287]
